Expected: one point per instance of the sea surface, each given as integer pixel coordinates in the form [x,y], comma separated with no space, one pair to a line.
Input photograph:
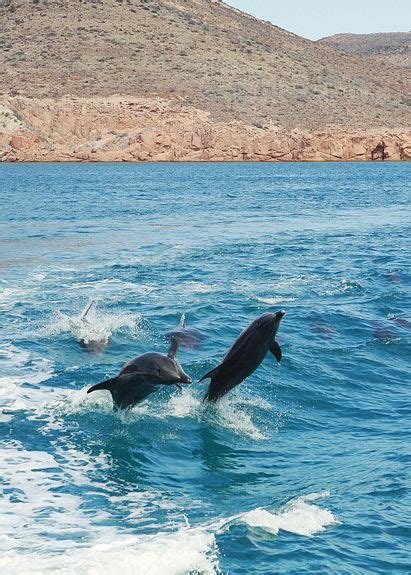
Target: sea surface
[303,468]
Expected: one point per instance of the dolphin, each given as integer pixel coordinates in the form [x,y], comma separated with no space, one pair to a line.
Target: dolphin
[393,277]
[143,376]
[190,337]
[245,355]
[97,345]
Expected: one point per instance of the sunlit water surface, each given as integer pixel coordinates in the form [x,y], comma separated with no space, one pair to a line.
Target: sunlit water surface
[303,468]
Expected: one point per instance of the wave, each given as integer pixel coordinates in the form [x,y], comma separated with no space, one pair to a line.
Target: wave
[299,516]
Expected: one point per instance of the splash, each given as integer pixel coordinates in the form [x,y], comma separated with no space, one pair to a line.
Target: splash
[96,326]
[229,413]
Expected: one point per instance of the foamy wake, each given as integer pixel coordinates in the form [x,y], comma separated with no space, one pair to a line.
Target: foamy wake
[187,551]
[79,541]
[299,516]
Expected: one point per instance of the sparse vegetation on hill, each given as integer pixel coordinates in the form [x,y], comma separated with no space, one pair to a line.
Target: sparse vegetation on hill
[390,48]
[203,52]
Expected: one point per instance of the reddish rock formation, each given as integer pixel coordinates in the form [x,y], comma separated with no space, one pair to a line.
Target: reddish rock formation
[140,129]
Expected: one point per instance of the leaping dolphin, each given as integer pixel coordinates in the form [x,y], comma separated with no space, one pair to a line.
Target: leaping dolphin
[143,376]
[245,355]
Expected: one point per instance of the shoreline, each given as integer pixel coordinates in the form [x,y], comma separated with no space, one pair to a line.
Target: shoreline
[129,129]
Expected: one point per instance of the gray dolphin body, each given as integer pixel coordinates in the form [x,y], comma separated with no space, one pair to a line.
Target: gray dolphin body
[143,376]
[189,337]
[245,355]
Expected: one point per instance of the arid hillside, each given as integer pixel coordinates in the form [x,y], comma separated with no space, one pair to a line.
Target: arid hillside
[390,48]
[201,53]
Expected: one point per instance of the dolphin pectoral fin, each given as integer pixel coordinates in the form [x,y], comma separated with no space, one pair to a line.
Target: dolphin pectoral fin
[108,385]
[211,374]
[173,349]
[179,386]
[276,351]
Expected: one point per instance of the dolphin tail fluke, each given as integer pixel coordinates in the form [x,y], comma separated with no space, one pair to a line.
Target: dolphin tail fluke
[213,394]
[107,385]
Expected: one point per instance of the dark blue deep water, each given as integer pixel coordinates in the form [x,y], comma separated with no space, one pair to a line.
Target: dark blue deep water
[303,469]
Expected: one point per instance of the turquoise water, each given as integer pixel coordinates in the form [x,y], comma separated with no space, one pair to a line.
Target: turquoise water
[304,467]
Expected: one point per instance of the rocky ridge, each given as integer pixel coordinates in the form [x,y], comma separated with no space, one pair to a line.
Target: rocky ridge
[388,47]
[121,128]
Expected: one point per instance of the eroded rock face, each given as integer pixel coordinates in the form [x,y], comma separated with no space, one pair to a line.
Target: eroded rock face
[120,128]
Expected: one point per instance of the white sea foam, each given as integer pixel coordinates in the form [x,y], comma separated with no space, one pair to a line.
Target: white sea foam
[273,300]
[300,516]
[12,295]
[112,286]
[31,505]
[186,551]
[31,369]
[198,287]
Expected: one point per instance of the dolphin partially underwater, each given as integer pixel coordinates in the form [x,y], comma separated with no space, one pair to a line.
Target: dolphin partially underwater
[94,345]
[189,337]
[245,355]
[143,376]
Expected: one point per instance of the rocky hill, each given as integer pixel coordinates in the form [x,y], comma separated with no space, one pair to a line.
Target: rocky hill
[390,48]
[200,55]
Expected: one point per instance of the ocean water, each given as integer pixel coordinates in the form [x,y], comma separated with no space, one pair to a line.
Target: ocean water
[303,468]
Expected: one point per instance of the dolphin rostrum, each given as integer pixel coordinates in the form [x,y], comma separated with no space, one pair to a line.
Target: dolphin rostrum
[245,355]
[142,376]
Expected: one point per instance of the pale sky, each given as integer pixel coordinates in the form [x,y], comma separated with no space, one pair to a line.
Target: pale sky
[315,19]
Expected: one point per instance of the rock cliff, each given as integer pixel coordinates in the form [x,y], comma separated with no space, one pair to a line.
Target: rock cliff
[121,128]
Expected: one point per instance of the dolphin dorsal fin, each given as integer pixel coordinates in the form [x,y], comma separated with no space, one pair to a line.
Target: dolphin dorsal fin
[173,349]
[183,320]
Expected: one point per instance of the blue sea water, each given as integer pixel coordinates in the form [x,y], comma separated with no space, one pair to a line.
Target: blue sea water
[303,468]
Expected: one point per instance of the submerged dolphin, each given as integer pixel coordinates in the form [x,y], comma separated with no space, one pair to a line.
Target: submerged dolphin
[142,376]
[188,336]
[245,355]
